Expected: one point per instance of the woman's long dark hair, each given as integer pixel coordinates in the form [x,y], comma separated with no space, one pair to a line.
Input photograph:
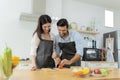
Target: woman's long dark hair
[43,19]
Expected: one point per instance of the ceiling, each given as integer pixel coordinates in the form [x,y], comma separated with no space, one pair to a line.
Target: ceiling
[104,3]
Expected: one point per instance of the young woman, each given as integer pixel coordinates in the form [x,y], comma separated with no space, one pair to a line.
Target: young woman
[42,44]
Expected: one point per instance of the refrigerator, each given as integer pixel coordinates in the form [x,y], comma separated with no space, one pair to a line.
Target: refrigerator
[112,39]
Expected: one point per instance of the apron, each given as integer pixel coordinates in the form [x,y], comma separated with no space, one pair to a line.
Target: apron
[68,52]
[44,54]
[109,56]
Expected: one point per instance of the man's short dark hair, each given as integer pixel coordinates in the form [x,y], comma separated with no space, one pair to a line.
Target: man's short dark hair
[62,22]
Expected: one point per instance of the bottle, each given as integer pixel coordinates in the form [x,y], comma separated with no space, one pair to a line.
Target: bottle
[93,44]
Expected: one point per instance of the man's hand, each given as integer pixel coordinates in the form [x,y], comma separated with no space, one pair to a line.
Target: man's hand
[57,60]
[65,62]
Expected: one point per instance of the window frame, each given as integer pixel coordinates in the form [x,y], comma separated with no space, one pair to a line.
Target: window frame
[110,13]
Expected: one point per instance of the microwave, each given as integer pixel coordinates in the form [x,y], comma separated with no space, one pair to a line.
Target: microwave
[91,54]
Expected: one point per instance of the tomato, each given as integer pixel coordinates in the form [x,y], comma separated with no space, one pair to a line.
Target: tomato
[79,73]
[60,66]
[97,71]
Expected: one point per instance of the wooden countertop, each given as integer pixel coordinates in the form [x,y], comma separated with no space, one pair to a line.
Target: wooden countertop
[58,74]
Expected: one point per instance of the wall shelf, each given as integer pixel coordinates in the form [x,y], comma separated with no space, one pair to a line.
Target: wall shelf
[88,32]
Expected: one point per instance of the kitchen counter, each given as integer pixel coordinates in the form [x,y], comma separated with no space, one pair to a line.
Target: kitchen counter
[99,64]
[58,74]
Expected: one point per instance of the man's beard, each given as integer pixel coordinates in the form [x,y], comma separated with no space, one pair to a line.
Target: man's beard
[63,35]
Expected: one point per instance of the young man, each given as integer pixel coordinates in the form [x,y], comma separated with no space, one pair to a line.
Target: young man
[68,45]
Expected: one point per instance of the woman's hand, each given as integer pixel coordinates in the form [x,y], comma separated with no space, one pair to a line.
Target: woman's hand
[33,68]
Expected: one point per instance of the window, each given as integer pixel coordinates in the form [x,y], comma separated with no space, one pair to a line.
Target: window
[109,18]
